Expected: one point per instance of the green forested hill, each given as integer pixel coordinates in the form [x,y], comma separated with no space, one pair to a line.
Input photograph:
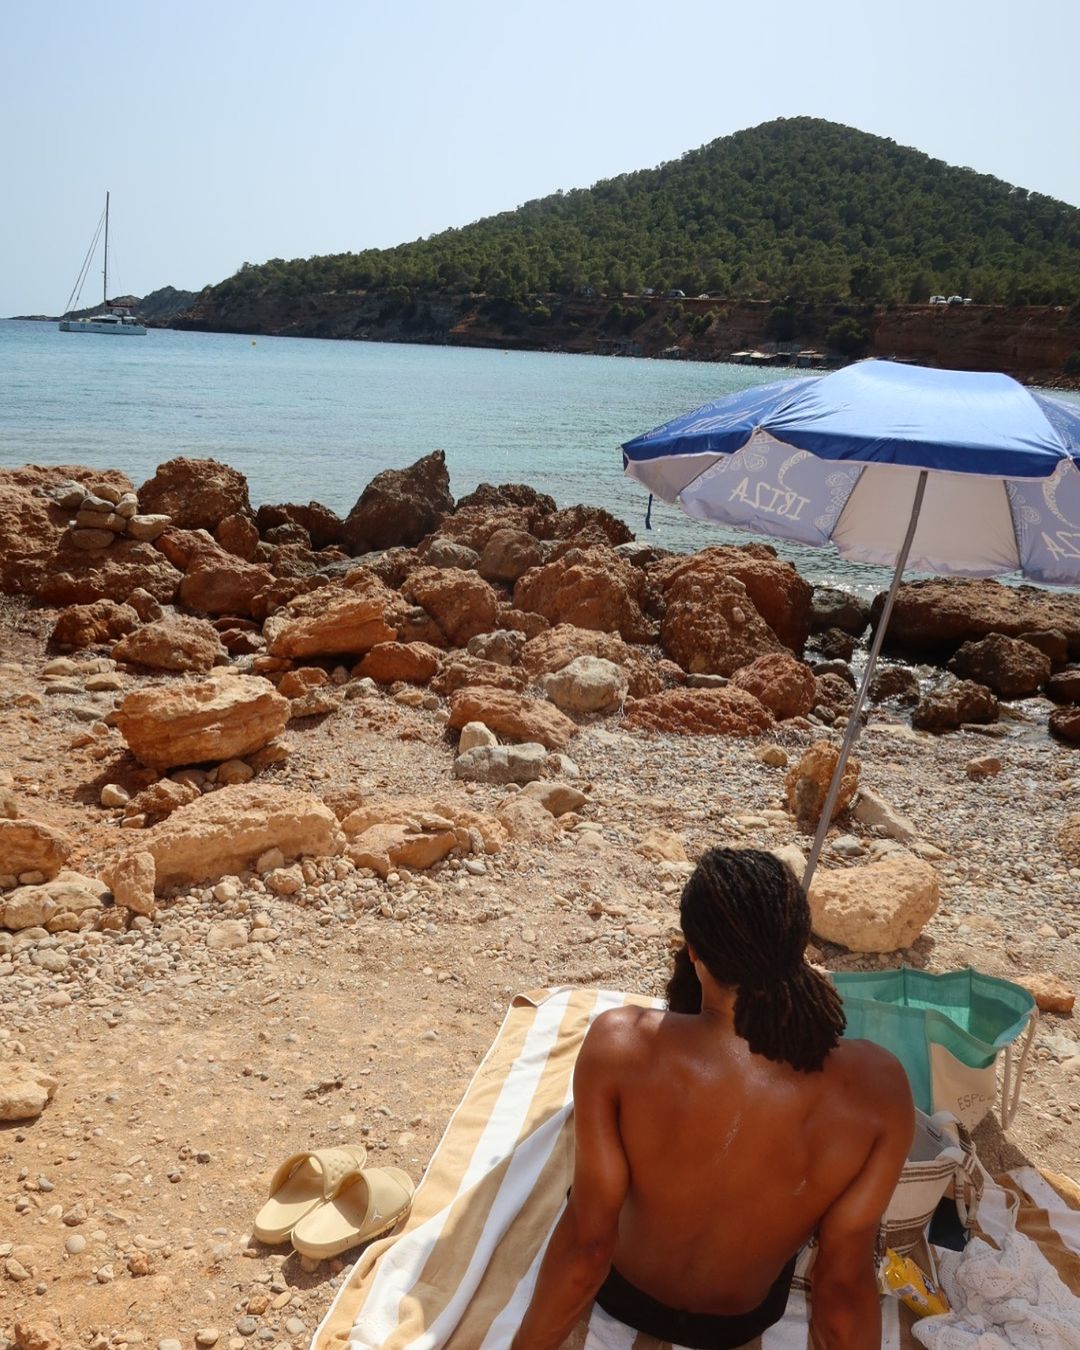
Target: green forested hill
[798,207]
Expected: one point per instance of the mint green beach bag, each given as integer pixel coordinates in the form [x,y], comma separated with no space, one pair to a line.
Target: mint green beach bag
[947,1031]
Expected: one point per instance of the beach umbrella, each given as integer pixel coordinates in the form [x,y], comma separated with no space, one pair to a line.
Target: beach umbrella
[948,472]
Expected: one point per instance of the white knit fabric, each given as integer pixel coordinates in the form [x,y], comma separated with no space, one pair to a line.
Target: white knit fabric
[1010,1300]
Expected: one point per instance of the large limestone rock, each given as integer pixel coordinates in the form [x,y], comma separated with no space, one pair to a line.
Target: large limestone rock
[400,506]
[31,846]
[588,684]
[81,626]
[218,583]
[583,520]
[501,764]
[413,662]
[786,686]
[554,649]
[178,643]
[504,646]
[711,627]
[34,519]
[335,620]
[1006,665]
[932,618]
[67,903]
[471,670]
[509,554]
[700,712]
[807,785]
[438,551]
[782,597]
[74,577]
[238,535]
[882,907]
[196,493]
[474,831]
[324,527]
[25,1090]
[224,832]
[953,704]
[511,715]
[223,717]
[131,878]
[590,588]
[461,603]
[385,847]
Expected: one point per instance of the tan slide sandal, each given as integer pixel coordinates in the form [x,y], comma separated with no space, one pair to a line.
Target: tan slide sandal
[366,1208]
[302,1182]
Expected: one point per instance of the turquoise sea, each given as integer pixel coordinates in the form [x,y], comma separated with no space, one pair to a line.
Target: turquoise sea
[307,419]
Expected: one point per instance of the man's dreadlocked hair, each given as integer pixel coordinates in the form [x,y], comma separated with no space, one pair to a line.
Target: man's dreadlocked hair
[747,919]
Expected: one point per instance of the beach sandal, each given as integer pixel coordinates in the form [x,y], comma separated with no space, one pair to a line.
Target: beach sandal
[371,1205]
[302,1182]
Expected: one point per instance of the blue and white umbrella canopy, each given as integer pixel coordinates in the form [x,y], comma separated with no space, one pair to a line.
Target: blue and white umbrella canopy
[838,458]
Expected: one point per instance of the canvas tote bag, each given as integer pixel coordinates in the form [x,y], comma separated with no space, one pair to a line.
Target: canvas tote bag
[947,1031]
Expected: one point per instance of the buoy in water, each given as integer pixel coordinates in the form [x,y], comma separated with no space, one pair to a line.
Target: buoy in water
[253,342]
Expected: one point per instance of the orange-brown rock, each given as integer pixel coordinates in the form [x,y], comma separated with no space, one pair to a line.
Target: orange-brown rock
[782,598]
[833,696]
[590,588]
[221,584]
[181,546]
[461,603]
[224,832]
[933,617]
[807,785]
[700,712]
[400,506]
[81,626]
[711,626]
[467,670]
[32,846]
[73,577]
[161,799]
[335,620]
[512,716]
[323,525]
[518,621]
[283,589]
[473,526]
[508,555]
[475,831]
[179,642]
[1051,993]
[572,520]
[196,493]
[550,651]
[1068,839]
[237,535]
[32,522]
[197,721]
[131,879]
[413,662]
[297,683]
[786,686]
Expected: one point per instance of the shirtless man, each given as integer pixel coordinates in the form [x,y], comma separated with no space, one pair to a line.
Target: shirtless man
[712,1140]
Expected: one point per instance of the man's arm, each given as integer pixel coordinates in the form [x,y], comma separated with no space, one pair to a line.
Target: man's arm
[845,1307]
[579,1254]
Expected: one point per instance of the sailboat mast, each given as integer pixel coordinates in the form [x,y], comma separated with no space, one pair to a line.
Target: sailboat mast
[105,269]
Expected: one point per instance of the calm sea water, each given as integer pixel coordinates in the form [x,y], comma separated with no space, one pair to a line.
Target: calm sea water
[306,419]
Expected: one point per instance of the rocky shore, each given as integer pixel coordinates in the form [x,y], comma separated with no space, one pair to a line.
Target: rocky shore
[291,804]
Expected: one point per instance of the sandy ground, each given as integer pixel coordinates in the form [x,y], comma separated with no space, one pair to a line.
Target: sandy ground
[186,1075]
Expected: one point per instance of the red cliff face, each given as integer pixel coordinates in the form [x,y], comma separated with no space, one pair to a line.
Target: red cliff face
[1030,342]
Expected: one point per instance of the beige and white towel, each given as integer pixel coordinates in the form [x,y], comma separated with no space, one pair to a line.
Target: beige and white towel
[461,1272]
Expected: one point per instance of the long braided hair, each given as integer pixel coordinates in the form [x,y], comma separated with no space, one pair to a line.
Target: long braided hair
[747,918]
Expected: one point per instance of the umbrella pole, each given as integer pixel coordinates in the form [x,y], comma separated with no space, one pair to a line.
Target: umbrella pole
[851,735]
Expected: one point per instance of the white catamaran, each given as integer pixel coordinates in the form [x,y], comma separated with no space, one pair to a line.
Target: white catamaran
[118,318]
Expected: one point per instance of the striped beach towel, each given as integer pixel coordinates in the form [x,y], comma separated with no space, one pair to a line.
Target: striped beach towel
[461,1272]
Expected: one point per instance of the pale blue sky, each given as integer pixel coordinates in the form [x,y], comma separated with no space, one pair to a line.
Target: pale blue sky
[231,130]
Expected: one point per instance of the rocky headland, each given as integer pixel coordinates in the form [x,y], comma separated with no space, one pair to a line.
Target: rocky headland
[290,805]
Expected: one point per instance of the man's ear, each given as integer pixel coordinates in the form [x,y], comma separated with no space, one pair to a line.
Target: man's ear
[692,954]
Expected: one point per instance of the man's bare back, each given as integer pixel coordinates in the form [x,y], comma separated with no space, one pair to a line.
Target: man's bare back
[711,1142]
[733,1159]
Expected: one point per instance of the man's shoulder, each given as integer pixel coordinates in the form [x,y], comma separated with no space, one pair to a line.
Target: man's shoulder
[873,1076]
[623,1032]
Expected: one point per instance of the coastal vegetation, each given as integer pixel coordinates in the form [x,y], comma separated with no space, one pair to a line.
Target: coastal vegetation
[797,209]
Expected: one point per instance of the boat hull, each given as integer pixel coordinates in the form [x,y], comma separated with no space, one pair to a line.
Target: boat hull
[89,326]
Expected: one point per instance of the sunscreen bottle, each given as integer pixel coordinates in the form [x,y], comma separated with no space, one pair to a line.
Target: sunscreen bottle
[902,1277]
